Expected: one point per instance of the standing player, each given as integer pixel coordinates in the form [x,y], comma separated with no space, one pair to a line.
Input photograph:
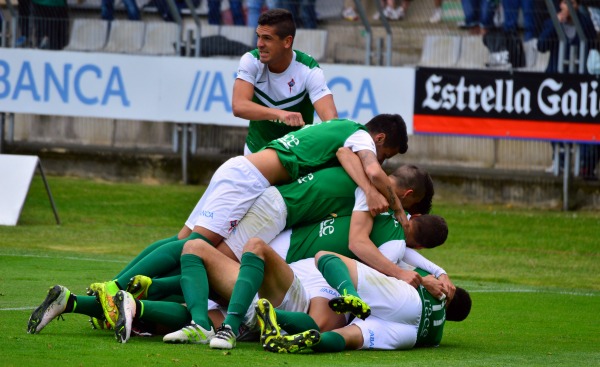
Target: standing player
[278,88]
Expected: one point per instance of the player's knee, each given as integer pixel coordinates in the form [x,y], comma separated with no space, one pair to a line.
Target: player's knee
[255,245]
[194,247]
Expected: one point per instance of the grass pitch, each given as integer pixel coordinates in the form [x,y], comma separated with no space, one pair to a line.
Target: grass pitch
[533,276]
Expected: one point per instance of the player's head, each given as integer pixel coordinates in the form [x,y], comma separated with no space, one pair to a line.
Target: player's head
[414,187]
[426,231]
[459,306]
[390,136]
[280,22]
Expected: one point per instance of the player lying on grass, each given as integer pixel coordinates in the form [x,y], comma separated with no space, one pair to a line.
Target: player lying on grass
[401,317]
[220,272]
[312,198]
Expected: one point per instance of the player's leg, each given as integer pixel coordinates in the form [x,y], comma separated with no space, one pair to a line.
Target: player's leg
[262,270]
[201,265]
[58,301]
[145,252]
[340,272]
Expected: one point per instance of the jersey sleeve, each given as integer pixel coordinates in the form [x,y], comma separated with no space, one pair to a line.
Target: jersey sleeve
[417,260]
[360,140]
[393,250]
[360,201]
[248,68]
[316,85]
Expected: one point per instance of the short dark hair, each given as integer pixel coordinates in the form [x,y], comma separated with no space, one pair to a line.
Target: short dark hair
[409,176]
[460,306]
[280,19]
[394,128]
[429,230]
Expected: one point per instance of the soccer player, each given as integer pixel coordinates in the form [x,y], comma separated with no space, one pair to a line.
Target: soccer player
[401,317]
[220,275]
[278,88]
[299,243]
[239,181]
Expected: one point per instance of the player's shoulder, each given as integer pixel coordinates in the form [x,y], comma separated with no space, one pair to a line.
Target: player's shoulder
[306,60]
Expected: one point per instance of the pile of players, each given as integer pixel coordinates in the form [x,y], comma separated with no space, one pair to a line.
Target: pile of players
[304,242]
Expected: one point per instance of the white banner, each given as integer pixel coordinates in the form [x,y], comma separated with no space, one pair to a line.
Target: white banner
[175,89]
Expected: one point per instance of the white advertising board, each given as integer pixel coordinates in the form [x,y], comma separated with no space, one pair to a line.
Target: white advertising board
[175,89]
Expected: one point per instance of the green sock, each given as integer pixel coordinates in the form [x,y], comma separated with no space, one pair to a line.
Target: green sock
[252,272]
[158,262]
[295,322]
[331,342]
[336,274]
[87,305]
[194,284]
[164,287]
[173,315]
[145,252]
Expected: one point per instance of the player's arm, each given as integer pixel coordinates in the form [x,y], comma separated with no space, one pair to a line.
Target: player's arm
[243,107]
[379,179]
[325,108]
[361,224]
[442,284]
[376,202]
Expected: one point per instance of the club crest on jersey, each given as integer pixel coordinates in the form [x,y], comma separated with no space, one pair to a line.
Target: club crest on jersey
[291,84]
[232,226]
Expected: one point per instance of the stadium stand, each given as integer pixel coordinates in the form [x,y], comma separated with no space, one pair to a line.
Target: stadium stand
[440,50]
[312,42]
[125,36]
[161,38]
[88,35]
[473,53]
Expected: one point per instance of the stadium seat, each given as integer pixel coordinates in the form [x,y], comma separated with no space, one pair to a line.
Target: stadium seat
[161,38]
[473,53]
[125,36]
[312,42]
[87,35]
[440,51]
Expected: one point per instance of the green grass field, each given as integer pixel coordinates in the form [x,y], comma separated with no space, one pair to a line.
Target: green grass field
[534,277]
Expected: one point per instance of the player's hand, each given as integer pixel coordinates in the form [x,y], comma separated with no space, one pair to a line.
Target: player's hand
[434,286]
[411,277]
[291,118]
[376,202]
[447,286]
[402,219]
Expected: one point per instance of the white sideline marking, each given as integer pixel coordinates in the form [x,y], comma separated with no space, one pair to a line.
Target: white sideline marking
[68,258]
[474,291]
[587,294]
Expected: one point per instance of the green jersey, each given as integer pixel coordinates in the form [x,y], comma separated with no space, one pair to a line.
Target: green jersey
[315,146]
[433,317]
[293,90]
[332,235]
[316,196]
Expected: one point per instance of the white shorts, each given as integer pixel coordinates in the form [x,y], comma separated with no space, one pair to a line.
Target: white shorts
[312,279]
[395,310]
[296,299]
[231,191]
[265,219]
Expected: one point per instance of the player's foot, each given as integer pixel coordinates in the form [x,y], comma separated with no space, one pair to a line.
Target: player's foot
[105,296]
[53,306]
[292,343]
[352,304]
[93,288]
[138,286]
[126,310]
[267,321]
[193,333]
[224,338]
[99,323]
